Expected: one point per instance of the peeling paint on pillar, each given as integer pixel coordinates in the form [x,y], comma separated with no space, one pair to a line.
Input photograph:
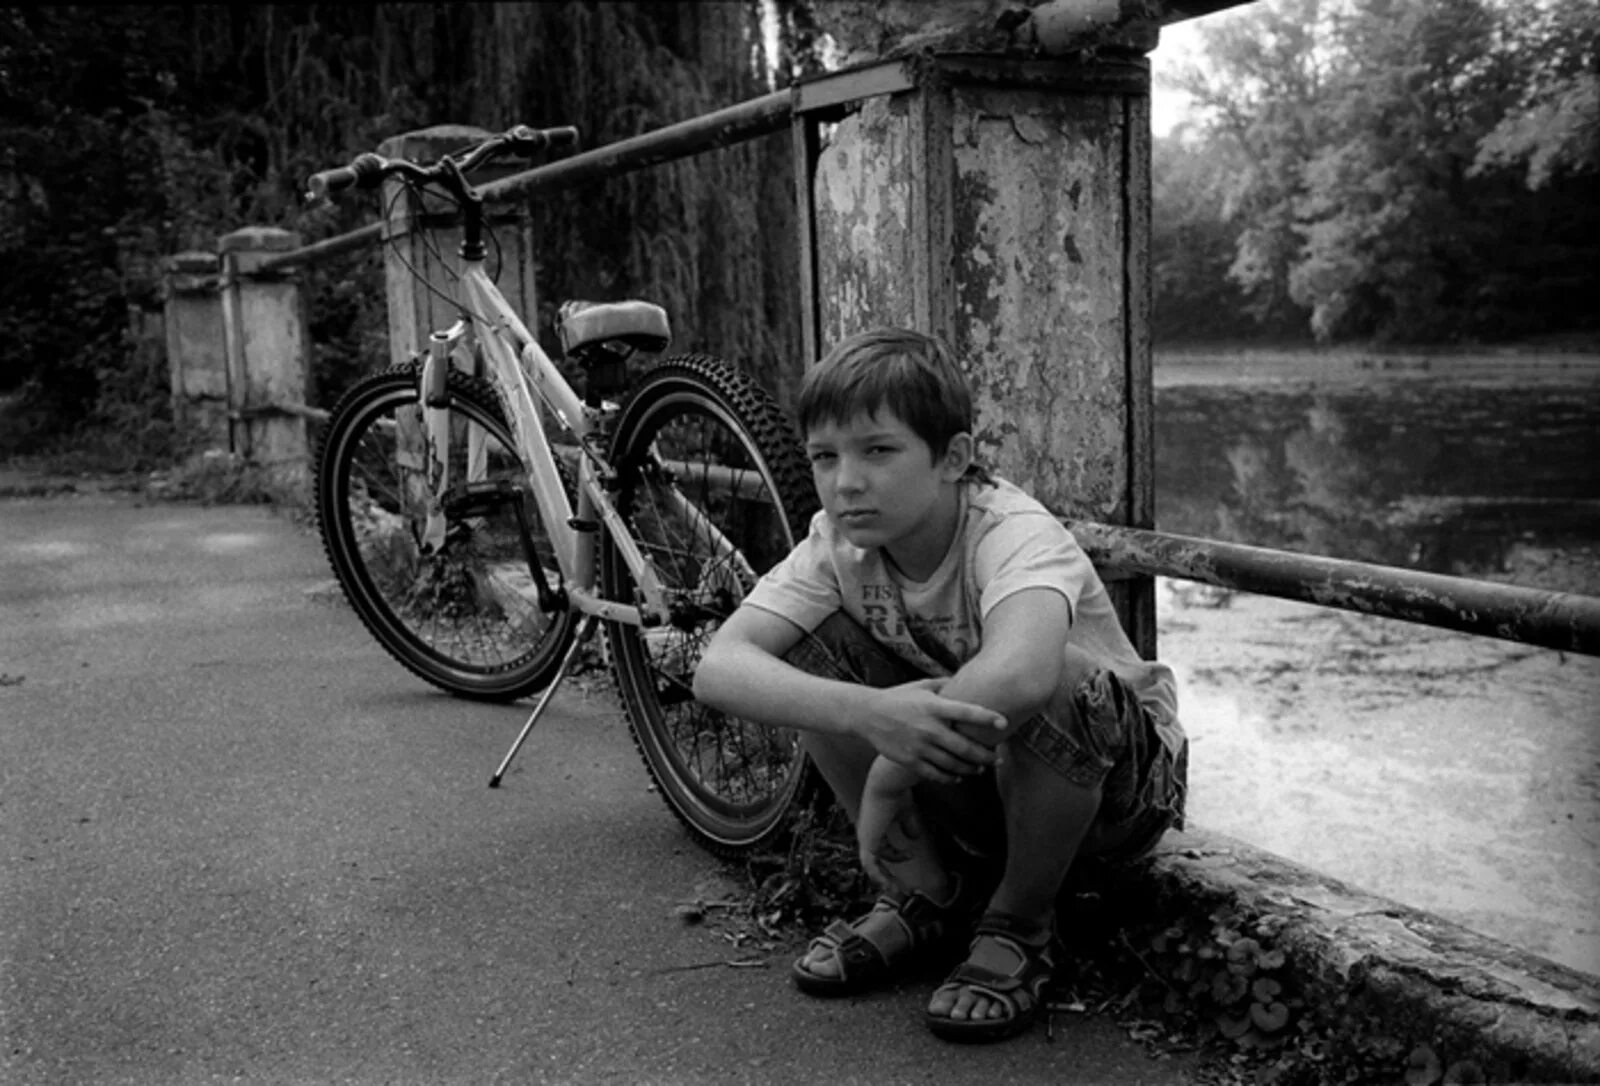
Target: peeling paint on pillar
[863,210]
[1040,313]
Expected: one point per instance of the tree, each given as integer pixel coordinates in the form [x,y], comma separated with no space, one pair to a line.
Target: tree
[1261,93]
[1554,127]
[1391,233]
[131,132]
[1193,240]
[1384,148]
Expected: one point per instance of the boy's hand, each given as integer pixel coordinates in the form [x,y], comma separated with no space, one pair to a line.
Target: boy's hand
[914,725]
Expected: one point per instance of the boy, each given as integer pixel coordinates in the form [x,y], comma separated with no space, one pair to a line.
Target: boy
[961,681]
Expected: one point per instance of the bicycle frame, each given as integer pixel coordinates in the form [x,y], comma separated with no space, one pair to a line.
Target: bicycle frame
[527,377]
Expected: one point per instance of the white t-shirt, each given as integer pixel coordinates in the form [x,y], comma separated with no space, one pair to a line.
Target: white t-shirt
[1005,541]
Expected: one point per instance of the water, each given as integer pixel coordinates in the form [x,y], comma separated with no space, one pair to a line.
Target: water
[1456,774]
[1450,466]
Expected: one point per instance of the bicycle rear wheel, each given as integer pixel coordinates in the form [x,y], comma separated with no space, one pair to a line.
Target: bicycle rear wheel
[715,489]
[466,617]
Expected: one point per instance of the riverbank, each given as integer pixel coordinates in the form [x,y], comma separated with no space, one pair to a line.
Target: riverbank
[1223,364]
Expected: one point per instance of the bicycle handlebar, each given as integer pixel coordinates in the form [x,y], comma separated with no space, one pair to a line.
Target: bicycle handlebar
[368,170]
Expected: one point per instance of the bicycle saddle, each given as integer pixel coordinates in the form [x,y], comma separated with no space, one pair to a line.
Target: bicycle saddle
[641,325]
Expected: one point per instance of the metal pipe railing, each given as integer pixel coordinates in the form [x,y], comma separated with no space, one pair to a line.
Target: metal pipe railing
[1553,620]
[338,245]
[711,131]
[757,117]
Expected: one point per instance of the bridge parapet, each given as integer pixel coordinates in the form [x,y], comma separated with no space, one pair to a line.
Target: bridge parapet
[1003,201]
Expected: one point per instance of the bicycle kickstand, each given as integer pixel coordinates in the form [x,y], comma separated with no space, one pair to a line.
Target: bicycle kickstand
[584,633]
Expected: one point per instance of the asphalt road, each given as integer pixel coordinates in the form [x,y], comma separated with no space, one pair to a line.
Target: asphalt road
[237,843]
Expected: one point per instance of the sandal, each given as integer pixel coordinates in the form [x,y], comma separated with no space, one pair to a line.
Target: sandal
[1020,991]
[877,947]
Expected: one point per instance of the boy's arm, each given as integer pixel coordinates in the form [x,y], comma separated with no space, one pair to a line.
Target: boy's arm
[1020,662]
[743,673]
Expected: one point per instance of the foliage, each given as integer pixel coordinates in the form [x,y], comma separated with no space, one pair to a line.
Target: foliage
[1383,157]
[1554,127]
[1193,245]
[812,878]
[132,132]
[215,477]
[1228,983]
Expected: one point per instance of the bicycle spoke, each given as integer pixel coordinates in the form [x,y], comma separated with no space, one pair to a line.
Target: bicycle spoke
[698,496]
[465,615]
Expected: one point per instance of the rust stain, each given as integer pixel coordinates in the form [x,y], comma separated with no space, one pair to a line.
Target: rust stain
[1039,300]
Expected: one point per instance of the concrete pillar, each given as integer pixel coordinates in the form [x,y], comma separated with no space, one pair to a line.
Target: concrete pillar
[197,358]
[424,236]
[267,349]
[1003,202]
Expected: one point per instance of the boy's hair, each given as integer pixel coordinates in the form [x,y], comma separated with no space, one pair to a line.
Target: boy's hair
[913,375]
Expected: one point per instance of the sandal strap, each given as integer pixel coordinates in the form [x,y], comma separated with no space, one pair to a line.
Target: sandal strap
[1034,970]
[1014,929]
[985,980]
[853,948]
[1021,992]
[921,921]
[924,919]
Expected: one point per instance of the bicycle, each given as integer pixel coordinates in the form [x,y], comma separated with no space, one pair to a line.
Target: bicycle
[483,518]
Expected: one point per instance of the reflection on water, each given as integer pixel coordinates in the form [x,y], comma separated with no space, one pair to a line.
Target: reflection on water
[1447,474]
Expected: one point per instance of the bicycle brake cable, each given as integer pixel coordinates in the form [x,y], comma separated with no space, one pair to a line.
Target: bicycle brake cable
[438,254]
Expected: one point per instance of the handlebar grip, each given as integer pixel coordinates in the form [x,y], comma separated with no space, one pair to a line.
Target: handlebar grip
[525,140]
[363,172]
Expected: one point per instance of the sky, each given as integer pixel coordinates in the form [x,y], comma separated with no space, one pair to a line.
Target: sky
[1180,42]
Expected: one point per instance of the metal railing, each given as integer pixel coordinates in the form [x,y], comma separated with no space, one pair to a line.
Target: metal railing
[1560,621]
[1552,620]
[748,120]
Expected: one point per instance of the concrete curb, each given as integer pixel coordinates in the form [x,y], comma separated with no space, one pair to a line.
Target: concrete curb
[1372,970]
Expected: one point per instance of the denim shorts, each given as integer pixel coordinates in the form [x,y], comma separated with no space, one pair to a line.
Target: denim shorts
[1094,733]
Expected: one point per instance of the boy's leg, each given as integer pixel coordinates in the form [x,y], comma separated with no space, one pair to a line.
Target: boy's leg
[1079,779]
[842,649]
[893,837]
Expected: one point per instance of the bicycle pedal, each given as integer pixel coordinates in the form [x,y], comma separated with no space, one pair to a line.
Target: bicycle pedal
[583,524]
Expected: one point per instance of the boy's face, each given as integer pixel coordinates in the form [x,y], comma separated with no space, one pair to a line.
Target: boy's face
[882,485]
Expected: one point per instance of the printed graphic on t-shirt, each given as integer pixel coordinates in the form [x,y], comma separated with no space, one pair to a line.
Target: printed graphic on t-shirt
[937,643]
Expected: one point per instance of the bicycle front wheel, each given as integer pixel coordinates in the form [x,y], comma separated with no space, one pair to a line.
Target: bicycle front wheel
[462,613]
[715,489]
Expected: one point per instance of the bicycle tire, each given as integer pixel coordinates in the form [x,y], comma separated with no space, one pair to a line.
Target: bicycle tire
[465,618]
[734,784]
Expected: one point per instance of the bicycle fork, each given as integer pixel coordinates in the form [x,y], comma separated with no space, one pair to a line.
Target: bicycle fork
[436,423]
